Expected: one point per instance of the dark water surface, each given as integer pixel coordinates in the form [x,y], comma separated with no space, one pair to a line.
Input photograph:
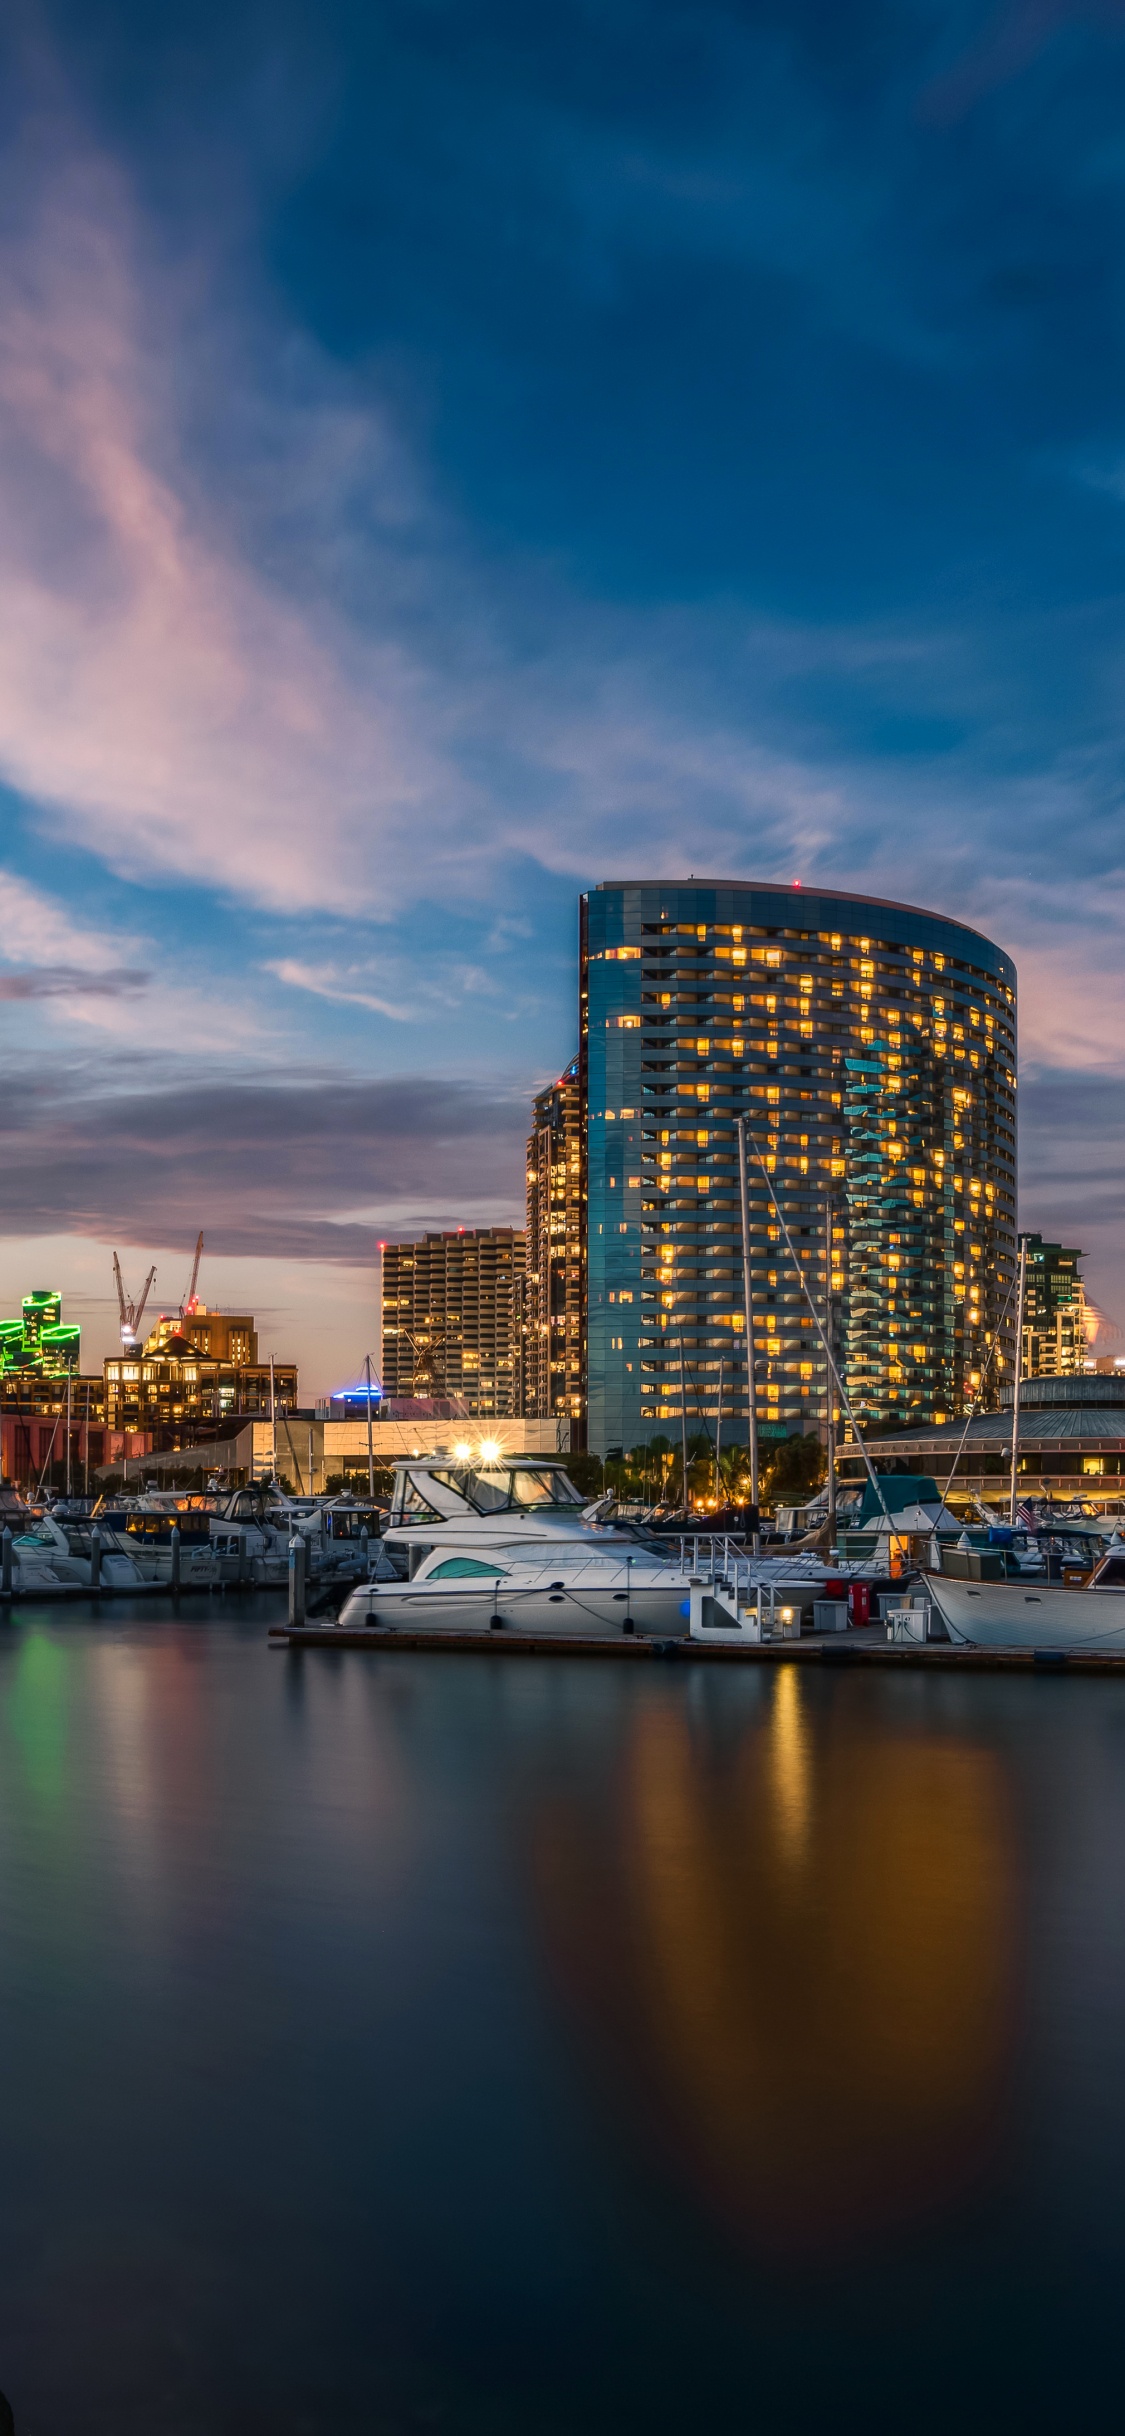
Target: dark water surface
[500,2046]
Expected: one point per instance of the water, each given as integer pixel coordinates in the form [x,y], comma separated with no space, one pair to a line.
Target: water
[487,2046]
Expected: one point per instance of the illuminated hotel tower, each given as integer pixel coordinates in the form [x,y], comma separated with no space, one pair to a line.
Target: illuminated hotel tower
[872,1047]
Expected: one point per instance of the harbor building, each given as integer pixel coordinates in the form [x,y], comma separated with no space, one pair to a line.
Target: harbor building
[198,1366]
[554,1337]
[1071,1443]
[1054,1311]
[872,1048]
[452,1317]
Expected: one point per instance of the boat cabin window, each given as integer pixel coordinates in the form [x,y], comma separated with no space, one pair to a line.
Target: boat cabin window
[1112,1574]
[411,1502]
[487,1489]
[543,1489]
[499,1490]
[465,1568]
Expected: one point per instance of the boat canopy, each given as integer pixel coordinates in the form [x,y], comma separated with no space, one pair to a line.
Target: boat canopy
[901,1490]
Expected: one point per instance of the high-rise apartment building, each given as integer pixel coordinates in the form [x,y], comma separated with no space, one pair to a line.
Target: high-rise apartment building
[1054,1311]
[872,1047]
[452,1317]
[555,1300]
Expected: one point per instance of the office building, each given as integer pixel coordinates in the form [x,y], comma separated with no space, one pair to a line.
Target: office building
[872,1048]
[1054,1311]
[554,1345]
[452,1319]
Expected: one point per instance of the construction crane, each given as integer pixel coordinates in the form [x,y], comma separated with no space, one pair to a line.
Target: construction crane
[428,1367]
[132,1312]
[188,1303]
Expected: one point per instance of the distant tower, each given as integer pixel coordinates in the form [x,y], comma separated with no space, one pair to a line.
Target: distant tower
[555,1297]
[1054,1318]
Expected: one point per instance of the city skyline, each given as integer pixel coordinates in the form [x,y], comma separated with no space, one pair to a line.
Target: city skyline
[442,465]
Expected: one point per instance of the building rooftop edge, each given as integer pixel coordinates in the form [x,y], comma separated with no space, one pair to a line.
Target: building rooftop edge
[839,896]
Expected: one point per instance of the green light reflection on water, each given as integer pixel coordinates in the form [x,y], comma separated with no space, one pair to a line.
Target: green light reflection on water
[36,1713]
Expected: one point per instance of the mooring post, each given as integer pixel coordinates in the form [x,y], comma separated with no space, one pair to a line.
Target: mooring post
[365,1552]
[95,1558]
[6,1562]
[175,1560]
[296,1579]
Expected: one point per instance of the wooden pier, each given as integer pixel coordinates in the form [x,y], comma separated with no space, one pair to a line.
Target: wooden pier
[830,1649]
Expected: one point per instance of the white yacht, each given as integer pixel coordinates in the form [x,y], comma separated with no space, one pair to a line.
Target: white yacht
[1071,1614]
[508,1544]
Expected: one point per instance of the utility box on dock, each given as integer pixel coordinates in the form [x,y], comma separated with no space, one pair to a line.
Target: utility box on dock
[830,1615]
[909,1621]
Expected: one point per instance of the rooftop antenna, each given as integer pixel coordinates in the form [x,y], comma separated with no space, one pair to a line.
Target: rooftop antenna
[131,1312]
[188,1303]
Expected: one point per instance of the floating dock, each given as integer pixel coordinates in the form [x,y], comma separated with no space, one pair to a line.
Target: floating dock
[808,1651]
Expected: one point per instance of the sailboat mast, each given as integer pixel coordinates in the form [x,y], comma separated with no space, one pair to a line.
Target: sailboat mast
[829,1382]
[748,1312]
[1018,1377]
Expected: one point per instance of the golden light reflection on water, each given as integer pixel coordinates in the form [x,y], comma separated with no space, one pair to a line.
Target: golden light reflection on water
[801,1944]
[789,1765]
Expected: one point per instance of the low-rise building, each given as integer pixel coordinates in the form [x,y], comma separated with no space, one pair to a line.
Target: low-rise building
[1071,1443]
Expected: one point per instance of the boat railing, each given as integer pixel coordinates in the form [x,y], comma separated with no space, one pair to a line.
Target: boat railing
[715,1558]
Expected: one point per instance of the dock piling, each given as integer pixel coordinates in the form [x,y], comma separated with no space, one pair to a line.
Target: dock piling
[296,1579]
[175,1560]
[95,1558]
[6,1562]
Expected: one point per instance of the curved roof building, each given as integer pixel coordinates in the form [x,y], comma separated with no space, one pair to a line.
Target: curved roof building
[873,1048]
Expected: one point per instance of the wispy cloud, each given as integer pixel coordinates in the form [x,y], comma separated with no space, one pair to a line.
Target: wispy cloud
[37,929]
[313,1167]
[165,702]
[328,981]
[67,981]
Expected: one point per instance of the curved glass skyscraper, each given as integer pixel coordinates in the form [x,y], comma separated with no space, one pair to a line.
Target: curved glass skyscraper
[873,1048]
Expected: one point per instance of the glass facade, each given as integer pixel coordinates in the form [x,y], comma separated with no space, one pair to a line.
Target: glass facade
[554,1348]
[872,1047]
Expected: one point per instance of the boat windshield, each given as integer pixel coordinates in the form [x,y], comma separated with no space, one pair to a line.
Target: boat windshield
[501,1488]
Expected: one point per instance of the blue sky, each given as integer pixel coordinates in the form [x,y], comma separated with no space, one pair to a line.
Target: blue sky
[452,454]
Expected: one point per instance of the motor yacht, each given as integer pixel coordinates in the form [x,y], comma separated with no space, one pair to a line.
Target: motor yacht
[510,1544]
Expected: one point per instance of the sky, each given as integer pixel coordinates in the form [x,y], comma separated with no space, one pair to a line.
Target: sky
[452,453]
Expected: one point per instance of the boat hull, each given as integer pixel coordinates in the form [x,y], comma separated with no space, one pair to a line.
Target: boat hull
[1010,1615]
[575,1613]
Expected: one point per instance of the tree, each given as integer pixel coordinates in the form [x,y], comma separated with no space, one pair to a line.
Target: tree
[793,1471]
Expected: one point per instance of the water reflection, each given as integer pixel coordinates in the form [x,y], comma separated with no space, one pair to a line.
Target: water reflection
[791,1953]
